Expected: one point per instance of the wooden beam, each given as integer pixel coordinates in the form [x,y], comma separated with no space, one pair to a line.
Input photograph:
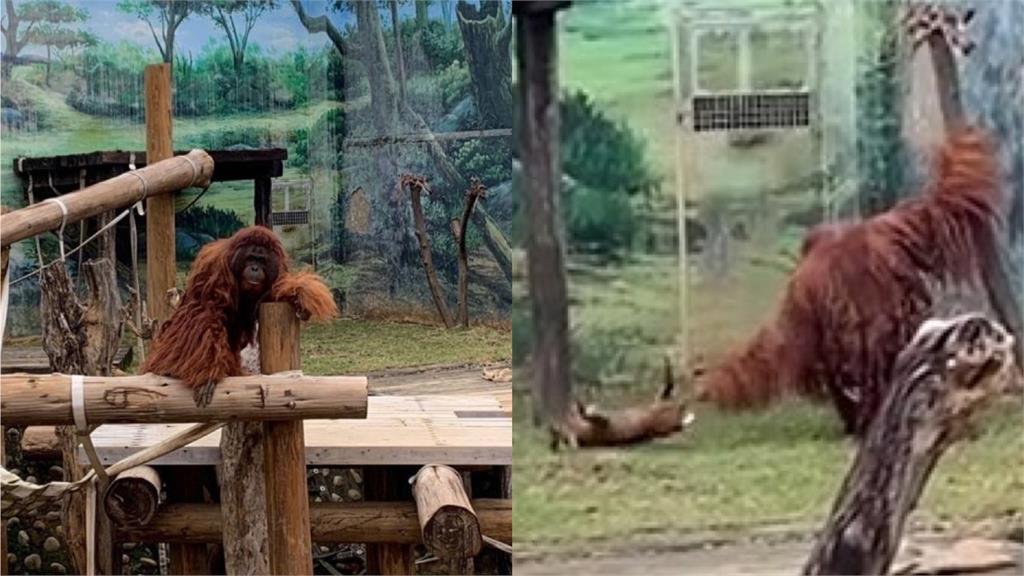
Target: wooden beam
[367,522]
[37,400]
[382,484]
[120,192]
[185,485]
[161,268]
[284,451]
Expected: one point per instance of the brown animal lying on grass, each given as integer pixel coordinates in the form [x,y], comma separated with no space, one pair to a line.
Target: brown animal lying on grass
[586,427]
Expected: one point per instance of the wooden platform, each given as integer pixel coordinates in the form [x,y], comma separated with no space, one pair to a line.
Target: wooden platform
[457,430]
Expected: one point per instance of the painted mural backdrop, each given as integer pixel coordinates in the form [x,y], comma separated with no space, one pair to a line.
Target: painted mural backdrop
[357,92]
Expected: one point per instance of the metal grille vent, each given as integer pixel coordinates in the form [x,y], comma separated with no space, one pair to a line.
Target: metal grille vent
[750,111]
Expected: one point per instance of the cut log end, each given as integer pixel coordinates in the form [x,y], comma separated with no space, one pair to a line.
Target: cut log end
[448,523]
[131,500]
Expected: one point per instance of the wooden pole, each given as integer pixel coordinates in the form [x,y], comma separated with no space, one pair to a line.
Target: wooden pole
[161,179]
[330,522]
[448,522]
[185,484]
[388,483]
[262,201]
[538,143]
[45,399]
[161,268]
[285,454]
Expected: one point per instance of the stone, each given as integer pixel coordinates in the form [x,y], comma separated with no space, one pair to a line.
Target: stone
[354,494]
[125,559]
[31,480]
[39,525]
[33,561]
[129,545]
[53,515]
[58,568]
[13,521]
[337,481]
[147,561]
[23,538]
[51,544]
[12,559]
[335,497]
[356,476]
[56,472]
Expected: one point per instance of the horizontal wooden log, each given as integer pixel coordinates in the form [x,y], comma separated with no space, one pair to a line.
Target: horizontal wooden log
[41,400]
[353,522]
[117,193]
[133,497]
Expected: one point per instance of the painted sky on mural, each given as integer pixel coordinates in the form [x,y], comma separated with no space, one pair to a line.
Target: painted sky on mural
[276,32]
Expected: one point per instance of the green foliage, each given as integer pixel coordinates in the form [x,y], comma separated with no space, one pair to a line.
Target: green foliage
[599,152]
[221,139]
[454,83]
[599,221]
[204,85]
[442,46]
[486,159]
[207,222]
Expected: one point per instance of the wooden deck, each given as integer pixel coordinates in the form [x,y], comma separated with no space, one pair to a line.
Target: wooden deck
[398,430]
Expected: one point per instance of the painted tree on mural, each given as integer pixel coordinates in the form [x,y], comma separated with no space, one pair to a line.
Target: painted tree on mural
[236,18]
[43,22]
[168,15]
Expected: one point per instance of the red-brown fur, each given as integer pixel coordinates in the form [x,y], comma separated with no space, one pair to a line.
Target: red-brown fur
[861,289]
[216,319]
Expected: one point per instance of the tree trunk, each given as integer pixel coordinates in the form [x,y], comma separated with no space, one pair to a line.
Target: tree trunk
[11,47]
[421,13]
[946,374]
[243,498]
[48,62]
[541,178]
[79,340]
[485,37]
[399,57]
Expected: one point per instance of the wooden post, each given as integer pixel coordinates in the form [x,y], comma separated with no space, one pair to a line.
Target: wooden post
[449,525]
[262,201]
[384,483]
[161,268]
[538,143]
[185,485]
[285,451]
[243,497]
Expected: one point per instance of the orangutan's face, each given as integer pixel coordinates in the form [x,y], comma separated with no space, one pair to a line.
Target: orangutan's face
[255,268]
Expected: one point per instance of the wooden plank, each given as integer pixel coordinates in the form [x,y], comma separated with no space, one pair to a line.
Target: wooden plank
[388,483]
[73,162]
[398,430]
[284,455]
[262,203]
[161,267]
[184,485]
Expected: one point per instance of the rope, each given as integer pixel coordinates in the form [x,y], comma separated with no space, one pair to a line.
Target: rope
[32,200]
[113,222]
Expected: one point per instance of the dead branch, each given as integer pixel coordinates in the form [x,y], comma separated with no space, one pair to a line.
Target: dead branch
[476,190]
[417,185]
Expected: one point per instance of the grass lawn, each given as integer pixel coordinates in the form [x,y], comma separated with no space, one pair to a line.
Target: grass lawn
[734,472]
[356,346]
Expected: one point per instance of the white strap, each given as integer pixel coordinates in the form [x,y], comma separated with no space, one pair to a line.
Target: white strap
[139,207]
[78,402]
[82,425]
[63,220]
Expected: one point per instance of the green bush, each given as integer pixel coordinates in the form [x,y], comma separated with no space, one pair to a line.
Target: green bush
[601,153]
[598,221]
[208,221]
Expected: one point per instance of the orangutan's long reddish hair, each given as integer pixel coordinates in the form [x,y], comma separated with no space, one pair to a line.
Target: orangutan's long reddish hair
[861,289]
[216,319]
